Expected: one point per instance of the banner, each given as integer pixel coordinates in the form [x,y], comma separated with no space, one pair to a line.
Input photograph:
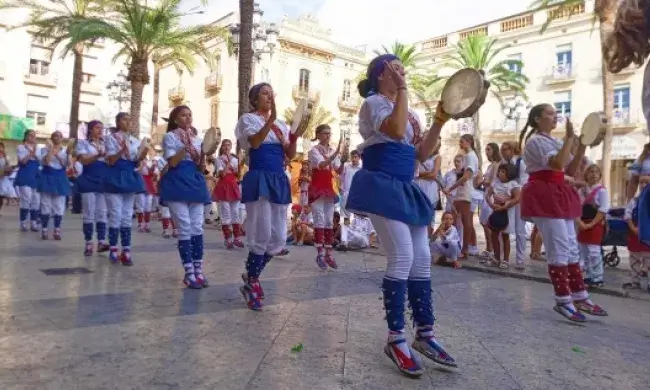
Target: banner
[14,128]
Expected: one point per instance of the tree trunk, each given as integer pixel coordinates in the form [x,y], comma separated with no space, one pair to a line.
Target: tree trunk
[77,79]
[606,10]
[139,77]
[245,54]
[477,139]
[156,96]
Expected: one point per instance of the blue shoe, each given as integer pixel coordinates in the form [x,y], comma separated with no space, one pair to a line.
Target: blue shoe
[114,256]
[320,261]
[429,347]
[410,366]
[250,296]
[568,313]
[192,283]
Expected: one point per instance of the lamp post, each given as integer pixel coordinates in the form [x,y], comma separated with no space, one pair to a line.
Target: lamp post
[119,90]
[515,109]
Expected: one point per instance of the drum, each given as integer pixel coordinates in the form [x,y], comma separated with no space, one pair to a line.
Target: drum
[211,141]
[464,93]
[302,115]
[593,129]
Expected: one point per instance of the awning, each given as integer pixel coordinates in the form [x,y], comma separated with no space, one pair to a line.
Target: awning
[624,147]
[12,127]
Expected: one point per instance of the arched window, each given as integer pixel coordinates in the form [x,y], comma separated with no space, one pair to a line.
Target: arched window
[303,79]
[347,89]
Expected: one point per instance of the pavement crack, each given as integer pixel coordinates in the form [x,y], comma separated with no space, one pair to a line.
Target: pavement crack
[347,336]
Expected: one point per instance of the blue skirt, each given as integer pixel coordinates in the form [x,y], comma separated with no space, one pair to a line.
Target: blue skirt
[266,177]
[642,215]
[54,181]
[184,183]
[122,178]
[27,175]
[385,187]
[92,178]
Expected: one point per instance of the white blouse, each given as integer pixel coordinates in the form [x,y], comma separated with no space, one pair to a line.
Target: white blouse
[317,155]
[89,149]
[232,162]
[251,123]
[539,150]
[113,147]
[22,151]
[470,161]
[451,236]
[503,191]
[172,144]
[374,110]
[58,161]
[601,199]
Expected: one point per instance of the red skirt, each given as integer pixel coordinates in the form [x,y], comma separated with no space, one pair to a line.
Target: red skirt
[547,195]
[227,189]
[149,186]
[593,236]
[634,244]
[321,185]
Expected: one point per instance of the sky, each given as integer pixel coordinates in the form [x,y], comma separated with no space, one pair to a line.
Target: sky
[376,22]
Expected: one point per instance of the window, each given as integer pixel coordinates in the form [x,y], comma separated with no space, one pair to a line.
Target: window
[39,67]
[515,63]
[622,97]
[347,89]
[563,105]
[39,117]
[564,55]
[303,80]
[87,77]
[428,118]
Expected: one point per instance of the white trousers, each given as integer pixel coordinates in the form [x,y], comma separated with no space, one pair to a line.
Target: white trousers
[344,212]
[323,211]
[143,203]
[229,212]
[353,239]
[29,198]
[591,260]
[155,202]
[406,246]
[521,235]
[164,212]
[120,209]
[560,240]
[93,205]
[52,204]
[188,218]
[448,249]
[266,227]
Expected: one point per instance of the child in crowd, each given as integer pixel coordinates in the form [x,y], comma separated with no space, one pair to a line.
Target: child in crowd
[445,242]
[302,227]
[303,182]
[360,234]
[639,252]
[591,225]
[502,196]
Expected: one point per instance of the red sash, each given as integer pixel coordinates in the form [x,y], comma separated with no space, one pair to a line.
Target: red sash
[321,181]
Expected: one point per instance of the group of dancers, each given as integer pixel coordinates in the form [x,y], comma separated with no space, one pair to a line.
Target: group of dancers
[391,187]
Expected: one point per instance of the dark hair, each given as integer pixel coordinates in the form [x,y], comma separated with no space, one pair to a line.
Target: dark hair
[90,125]
[254,93]
[27,133]
[496,155]
[629,41]
[535,113]
[511,170]
[171,124]
[119,117]
[375,68]
[223,141]
[319,129]
[54,132]
[355,153]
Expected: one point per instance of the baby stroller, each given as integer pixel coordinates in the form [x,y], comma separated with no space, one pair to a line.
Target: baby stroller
[615,235]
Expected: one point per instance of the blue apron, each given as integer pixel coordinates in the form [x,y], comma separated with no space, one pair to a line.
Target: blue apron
[54,181]
[92,178]
[266,177]
[184,183]
[122,178]
[27,175]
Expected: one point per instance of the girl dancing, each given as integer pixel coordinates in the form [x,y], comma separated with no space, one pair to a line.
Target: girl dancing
[144,201]
[553,205]
[121,185]
[27,182]
[91,152]
[227,193]
[183,189]
[53,184]
[398,209]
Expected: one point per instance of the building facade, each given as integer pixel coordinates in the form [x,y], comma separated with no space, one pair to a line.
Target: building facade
[304,63]
[36,85]
[564,68]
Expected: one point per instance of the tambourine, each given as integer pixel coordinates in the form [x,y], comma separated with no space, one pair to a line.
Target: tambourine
[593,129]
[301,116]
[464,93]
[144,145]
[72,147]
[211,141]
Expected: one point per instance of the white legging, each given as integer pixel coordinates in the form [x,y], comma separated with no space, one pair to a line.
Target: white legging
[520,235]
[560,240]
[406,246]
[29,198]
[188,218]
[229,212]
[266,227]
[143,203]
[322,210]
[52,204]
[93,205]
[120,209]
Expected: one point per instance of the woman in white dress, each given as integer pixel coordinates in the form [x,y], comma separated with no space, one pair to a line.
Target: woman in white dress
[6,186]
[493,156]
[427,176]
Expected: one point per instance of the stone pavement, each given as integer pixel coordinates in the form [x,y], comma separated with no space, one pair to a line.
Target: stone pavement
[138,328]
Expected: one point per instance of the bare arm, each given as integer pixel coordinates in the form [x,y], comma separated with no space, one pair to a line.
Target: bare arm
[516,197]
[433,135]
[177,158]
[577,160]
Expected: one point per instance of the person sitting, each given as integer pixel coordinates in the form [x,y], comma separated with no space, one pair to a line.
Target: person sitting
[302,225]
[360,234]
[445,242]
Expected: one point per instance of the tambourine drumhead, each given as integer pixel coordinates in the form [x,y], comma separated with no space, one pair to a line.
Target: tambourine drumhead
[593,128]
[210,141]
[298,114]
[461,91]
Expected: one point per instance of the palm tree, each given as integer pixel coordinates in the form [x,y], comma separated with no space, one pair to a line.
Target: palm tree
[426,88]
[141,31]
[245,65]
[482,53]
[319,116]
[51,23]
[604,13]
[407,54]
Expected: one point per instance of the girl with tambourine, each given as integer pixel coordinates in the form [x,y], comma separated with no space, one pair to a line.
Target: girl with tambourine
[324,161]
[27,183]
[591,225]
[502,196]
[91,153]
[494,159]
[265,187]
[400,212]
[53,185]
[144,201]
[123,182]
[227,193]
[183,189]
[553,205]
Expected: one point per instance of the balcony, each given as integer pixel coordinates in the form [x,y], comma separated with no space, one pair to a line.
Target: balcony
[176,95]
[91,88]
[561,74]
[623,119]
[349,103]
[300,92]
[214,82]
[507,126]
[629,71]
[461,127]
[41,79]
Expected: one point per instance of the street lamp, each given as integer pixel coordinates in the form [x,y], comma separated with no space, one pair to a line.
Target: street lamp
[265,38]
[515,109]
[119,90]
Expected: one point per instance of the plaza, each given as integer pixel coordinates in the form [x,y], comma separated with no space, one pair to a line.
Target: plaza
[93,325]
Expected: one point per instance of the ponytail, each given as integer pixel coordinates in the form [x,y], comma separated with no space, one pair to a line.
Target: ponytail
[531,123]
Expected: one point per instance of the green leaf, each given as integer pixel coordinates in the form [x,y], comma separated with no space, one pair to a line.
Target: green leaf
[578,350]
[297,348]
